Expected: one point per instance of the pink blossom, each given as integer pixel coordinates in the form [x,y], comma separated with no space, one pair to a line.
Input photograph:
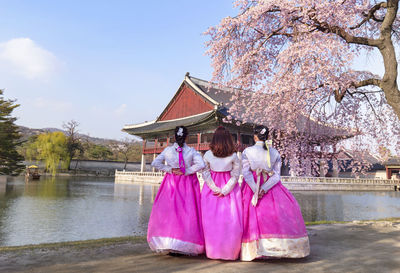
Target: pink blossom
[299,72]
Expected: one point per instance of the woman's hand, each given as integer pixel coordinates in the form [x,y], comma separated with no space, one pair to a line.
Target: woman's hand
[177,171]
[218,194]
[261,194]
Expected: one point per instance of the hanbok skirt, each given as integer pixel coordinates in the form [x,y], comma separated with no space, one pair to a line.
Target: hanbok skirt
[222,219]
[175,220]
[274,227]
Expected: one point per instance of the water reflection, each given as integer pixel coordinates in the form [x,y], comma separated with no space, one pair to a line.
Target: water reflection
[68,209]
[348,206]
[71,209]
[317,206]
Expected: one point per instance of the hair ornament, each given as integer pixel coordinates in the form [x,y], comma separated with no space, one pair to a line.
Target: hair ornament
[180,131]
[263,131]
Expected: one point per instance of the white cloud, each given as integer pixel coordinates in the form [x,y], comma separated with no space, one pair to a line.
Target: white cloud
[24,57]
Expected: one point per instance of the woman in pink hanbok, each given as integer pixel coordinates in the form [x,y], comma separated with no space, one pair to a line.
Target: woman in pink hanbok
[221,199]
[175,220]
[273,224]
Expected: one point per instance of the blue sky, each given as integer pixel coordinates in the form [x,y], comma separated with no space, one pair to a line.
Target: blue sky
[103,63]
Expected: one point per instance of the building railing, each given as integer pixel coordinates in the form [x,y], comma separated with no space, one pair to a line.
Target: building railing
[290,179]
[157,150]
[198,146]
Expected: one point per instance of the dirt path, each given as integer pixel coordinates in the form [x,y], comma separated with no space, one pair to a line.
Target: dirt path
[355,247]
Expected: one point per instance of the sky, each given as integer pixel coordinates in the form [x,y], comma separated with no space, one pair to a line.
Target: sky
[105,64]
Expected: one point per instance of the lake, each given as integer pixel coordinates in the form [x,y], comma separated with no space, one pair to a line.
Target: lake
[66,209]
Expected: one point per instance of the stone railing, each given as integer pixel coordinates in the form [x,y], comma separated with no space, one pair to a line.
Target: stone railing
[122,177]
[122,173]
[284,179]
[332,180]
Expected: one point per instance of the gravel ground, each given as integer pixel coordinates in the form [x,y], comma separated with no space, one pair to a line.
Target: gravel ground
[352,247]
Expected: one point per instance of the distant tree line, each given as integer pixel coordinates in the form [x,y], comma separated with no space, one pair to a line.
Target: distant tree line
[57,149]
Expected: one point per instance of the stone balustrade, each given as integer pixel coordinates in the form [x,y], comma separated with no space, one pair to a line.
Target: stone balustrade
[122,177]
[340,180]
[292,183]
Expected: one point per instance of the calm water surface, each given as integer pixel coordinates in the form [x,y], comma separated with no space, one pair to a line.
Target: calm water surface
[67,209]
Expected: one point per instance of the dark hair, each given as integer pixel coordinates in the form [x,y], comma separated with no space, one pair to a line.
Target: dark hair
[222,143]
[181,139]
[263,137]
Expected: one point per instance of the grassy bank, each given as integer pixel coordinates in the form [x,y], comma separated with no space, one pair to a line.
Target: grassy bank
[78,244]
[346,222]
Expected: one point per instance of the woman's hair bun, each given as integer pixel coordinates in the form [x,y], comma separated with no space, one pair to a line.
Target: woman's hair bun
[180,135]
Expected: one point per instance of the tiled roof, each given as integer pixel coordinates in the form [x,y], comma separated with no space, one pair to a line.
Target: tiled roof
[224,96]
[221,98]
[393,161]
[169,125]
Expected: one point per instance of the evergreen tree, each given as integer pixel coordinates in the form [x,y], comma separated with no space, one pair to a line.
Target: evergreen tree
[10,159]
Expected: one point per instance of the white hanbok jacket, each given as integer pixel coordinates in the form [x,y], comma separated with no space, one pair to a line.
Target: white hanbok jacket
[254,158]
[221,164]
[193,160]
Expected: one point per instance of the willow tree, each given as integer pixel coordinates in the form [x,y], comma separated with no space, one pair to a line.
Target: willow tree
[10,159]
[297,57]
[52,149]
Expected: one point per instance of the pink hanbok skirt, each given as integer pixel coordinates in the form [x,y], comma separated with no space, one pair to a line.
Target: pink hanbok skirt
[273,228]
[222,220]
[175,220]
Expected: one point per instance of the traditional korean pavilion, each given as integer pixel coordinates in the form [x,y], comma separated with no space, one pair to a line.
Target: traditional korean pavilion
[392,166]
[200,107]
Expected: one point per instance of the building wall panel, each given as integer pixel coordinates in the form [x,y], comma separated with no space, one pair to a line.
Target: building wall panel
[186,103]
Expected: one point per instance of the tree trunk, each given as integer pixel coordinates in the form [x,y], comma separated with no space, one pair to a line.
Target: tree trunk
[389,81]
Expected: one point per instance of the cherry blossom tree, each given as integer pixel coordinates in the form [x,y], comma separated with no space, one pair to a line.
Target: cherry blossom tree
[295,58]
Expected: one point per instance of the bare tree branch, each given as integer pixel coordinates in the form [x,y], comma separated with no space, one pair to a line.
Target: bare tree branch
[371,15]
[339,95]
[372,107]
[325,27]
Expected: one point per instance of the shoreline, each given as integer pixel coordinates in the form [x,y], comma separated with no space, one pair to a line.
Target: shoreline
[76,244]
[49,175]
[142,239]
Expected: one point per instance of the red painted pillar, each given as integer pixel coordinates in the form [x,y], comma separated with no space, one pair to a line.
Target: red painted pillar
[155,152]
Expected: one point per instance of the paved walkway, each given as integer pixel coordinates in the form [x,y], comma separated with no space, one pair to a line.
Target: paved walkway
[355,247]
